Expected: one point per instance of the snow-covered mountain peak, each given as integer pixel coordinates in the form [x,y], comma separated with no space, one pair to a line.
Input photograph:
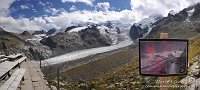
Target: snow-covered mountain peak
[78,29]
[172,12]
[190,12]
[147,22]
[144,27]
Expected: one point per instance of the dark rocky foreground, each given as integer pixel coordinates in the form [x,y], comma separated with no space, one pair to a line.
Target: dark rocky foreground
[181,63]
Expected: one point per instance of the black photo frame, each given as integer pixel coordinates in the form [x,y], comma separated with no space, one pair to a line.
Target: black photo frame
[163,57]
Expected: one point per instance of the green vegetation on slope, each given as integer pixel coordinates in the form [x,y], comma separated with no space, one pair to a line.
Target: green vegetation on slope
[124,77]
[194,48]
[176,29]
[98,67]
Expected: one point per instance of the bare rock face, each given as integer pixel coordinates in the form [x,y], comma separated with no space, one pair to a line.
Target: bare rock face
[137,32]
[39,32]
[17,43]
[26,35]
[69,28]
[1,30]
[51,31]
[13,42]
[196,14]
[64,42]
[181,64]
[40,53]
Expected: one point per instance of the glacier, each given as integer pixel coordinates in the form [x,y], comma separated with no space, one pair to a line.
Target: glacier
[85,53]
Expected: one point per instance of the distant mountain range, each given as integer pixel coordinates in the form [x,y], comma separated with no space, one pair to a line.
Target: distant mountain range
[43,32]
[43,44]
[82,38]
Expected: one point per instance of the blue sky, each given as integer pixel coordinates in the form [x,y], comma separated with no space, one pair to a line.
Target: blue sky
[36,8]
[32,15]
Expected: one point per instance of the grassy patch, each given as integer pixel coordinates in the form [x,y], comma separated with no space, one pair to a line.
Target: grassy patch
[96,68]
[99,67]
[125,76]
[194,48]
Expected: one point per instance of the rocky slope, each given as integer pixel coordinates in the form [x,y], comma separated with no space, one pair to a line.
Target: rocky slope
[193,77]
[49,32]
[23,43]
[39,32]
[184,24]
[64,42]
[25,35]
[12,42]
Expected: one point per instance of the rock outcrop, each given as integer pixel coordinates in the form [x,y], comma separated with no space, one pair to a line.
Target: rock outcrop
[39,32]
[50,32]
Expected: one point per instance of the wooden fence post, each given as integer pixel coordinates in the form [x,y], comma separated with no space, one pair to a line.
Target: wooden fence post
[163,79]
[58,78]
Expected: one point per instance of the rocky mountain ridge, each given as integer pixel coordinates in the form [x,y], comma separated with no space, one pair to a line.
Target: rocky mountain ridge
[44,32]
[184,24]
[64,42]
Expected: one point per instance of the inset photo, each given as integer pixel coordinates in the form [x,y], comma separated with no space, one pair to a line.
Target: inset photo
[163,57]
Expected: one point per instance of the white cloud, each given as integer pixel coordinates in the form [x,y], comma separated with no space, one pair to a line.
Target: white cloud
[34,10]
[41,3]
[73,8]
[54,11]
[88,2]
[104,5]
[4,7]
[19,25]
[63,19]
[66,19]
[24,7]
[145,8]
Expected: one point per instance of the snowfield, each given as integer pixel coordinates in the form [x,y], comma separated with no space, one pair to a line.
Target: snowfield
[78,29]
[190,12]
[85,53]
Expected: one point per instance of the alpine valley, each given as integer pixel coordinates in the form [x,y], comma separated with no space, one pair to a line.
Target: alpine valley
[99,56]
